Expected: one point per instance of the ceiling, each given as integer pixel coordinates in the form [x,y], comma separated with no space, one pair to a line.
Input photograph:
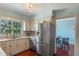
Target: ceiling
[40,8]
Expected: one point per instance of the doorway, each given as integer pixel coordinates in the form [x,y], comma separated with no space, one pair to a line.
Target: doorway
[65,36]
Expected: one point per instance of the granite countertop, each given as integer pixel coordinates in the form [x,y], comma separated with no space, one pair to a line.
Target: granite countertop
[23,37]
[2,53]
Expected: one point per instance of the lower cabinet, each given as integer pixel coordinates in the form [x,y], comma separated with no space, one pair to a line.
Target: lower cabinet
[15,46]
[6,49]
[25,44]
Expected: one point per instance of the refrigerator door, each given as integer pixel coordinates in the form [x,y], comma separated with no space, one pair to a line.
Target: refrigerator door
[40,29]
[44,33]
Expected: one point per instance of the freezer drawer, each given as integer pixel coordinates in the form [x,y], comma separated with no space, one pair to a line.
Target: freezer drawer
[43,49]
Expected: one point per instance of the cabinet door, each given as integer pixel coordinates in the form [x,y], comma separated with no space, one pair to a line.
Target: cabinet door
[23,44]
[14,47]
[20,45]
[26,44]
[6,49]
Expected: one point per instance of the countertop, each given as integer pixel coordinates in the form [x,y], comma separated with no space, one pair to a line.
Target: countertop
[2,53]
[23,37]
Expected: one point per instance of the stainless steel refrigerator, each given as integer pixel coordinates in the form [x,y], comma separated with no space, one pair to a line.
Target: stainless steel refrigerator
[45,44]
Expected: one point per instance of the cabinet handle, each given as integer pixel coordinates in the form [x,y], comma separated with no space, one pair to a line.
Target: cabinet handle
[9,45]
[9,53]
[5,48]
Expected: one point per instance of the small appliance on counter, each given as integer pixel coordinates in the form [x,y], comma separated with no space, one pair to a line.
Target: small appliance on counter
[29,33]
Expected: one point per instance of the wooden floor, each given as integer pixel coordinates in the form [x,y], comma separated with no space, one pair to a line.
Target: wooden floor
[60,52]
[28,53]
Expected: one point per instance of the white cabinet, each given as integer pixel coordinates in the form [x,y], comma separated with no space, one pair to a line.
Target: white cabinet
[13,47]
[6,47]
[23,44]
[26,44]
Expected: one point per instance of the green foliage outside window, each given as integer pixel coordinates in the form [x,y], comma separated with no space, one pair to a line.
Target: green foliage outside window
[8,27]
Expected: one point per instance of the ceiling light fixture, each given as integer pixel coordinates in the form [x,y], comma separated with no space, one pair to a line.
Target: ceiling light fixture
[30,6]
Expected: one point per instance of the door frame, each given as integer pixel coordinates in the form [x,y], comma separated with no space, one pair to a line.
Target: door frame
[75,29]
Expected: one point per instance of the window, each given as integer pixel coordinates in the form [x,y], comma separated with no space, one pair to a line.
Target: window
[10,27]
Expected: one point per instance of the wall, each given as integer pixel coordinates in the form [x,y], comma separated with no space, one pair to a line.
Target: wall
[5,12]
[67,12]
[11,15]
[45,16]
[65,28]
[40,19]
[78,33]
[77,36]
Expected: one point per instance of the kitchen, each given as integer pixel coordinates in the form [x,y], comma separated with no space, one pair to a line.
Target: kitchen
[28,26]
[13,41]
[17,31]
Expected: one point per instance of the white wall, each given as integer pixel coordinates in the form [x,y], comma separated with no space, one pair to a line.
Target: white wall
[4,12]
[8,14]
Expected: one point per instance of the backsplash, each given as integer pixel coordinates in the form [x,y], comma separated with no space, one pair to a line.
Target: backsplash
[30,33]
